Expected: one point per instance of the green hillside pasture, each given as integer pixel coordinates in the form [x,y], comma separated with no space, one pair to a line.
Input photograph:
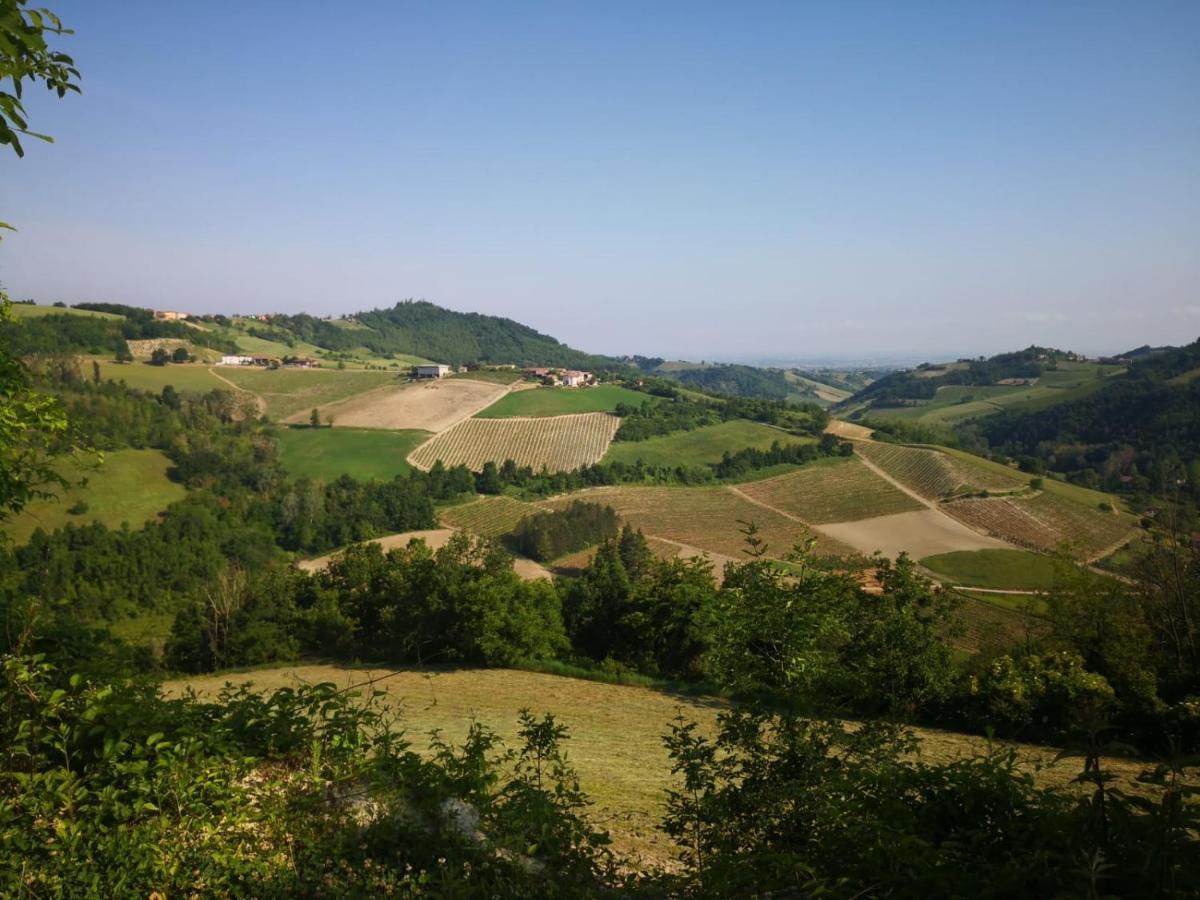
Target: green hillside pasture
[700,447]
[1016,570]
[361,453]
[831,490]
[26,311]
[560,401]
[192,377]
[290,391]
[129,486]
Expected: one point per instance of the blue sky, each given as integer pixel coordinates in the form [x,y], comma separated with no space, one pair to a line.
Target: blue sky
[731,181]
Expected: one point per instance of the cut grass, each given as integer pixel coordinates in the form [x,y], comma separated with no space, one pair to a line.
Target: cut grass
[361,453]
[129,486]
[1017,570]
[560,401]
[289,391]
[703,446]
[832,490]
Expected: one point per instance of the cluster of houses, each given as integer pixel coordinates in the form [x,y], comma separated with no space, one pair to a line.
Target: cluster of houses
[564,377]
[270,362]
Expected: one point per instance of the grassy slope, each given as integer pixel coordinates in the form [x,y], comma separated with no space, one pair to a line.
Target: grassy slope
[1085,496]
[362,453]
[1004,569]
[288,391]
[701,446]
[143,376]
[554,401]
[130,486]
[25,311]
[615,731]
[840,489]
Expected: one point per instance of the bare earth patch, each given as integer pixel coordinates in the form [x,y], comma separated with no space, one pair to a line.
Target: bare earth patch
[430,406]
[848,430]
[921,533]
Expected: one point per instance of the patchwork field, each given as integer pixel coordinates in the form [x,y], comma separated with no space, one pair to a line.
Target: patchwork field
[361,453]
[291,394]
[616,732]
[924,532]
[433,405]
[831,490]
[560,443]
[703,446]
[488,516]
[705,518]
[1045,521]
[130,486]
[933,474]
[560,401]
[1002,569]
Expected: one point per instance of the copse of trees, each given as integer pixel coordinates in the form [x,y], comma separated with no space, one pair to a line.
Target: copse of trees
[675,412]
[548,535]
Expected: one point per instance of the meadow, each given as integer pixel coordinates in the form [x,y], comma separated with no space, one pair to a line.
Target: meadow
[560,443]
[193,377]
[128,486]
[560,401]
[1017,570]
[702,446]
[361,453]
[29,311]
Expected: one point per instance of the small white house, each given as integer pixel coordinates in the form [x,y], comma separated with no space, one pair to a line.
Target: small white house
[571,378]
[237,360]
[433,371]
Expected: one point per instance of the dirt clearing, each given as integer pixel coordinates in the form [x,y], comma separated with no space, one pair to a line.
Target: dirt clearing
[430,406]
[922,533]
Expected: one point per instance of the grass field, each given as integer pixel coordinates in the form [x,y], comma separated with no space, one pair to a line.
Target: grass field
[26,311]
[560,443]
[1017,570]
[362,453]
[701,446]
[840,489]
[616,732]
[289,391]
[488,516]
[129,486]
[145,377]
[561,401]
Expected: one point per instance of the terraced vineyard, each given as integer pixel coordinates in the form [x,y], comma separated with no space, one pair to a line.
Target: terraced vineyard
[934,474]
[560,443]
[1044,522]
[837,490]
[489,516]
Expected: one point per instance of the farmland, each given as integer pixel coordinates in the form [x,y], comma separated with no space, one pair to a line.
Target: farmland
[921,532]
[1045,521]
[1005,569]
[560,443]
[488,516]
[831,490]
[934,474]
[703,446]
[294,392]
[433,405]
[145,377]
[30,311]
[129,486]
[706,518]
[560,401]
[361,453]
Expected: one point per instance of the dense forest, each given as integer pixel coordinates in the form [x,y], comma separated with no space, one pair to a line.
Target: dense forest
[734,380]
[65,333]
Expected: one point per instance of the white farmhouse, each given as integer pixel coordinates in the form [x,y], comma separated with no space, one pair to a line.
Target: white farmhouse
[237,360]
[431,371]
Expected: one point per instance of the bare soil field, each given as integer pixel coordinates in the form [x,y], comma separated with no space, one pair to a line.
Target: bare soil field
[431,406]
[436,538]
[921,533]
[561,443]
[848,430]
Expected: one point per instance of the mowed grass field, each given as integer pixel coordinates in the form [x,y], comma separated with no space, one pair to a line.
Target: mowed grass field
[362,453]
[831,490]
[193,377]
[129,486]
[615,732]
[1017,570]
[561,401]
[703,446]
[288,392]
[559,443]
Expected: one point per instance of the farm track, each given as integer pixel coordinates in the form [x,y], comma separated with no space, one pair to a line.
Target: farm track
[259,403]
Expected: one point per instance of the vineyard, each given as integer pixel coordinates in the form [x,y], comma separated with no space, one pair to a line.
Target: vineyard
[560,443]
[489,516]
[1044,522]
[838,490]
[934,474]
[706,518]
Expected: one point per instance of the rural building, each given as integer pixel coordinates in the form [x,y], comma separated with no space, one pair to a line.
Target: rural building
[170,315]
[572,378]
[300,362]
[237,360]
[535,372]
[433,371]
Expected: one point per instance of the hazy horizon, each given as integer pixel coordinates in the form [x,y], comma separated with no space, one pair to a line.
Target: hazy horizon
[702,182]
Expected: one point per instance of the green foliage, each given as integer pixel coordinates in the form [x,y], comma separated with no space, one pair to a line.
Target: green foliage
[548,535]
[1039,694]
[26,57]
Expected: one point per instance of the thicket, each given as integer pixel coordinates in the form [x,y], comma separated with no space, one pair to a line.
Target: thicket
[548,535]
[675,412]
[62,333]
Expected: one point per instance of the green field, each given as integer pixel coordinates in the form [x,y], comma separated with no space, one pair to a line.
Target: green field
[361,453]
[145,377]
[129,486]
[25,311]
[560,401]
[290,391]
[1017,570]
[701,446]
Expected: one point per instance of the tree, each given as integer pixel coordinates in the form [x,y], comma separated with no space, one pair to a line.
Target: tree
[159,357]
[314,418]
[180,355]
[95,372]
